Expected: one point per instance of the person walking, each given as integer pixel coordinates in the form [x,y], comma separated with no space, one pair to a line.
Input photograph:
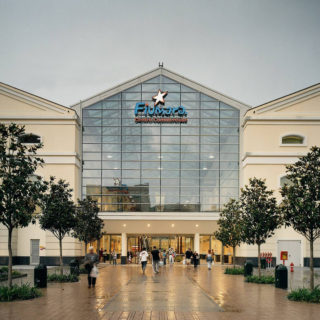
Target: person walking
[209,259]
[164,257]
[195,257]
[188,256]
[90,261]
[144,259]
[155,259]
[114,257]
[172,255]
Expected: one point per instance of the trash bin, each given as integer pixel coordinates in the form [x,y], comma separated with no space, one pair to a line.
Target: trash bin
[281,276]
[40,276]
[74,267]
[248,269]
[263,263]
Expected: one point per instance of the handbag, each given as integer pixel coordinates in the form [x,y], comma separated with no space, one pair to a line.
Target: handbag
[94,272]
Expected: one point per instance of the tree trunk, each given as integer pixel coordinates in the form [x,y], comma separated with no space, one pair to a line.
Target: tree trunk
[234,257]
[259,261]
[61,262]
[10,258]
[311,266]
[85,247]
[222,254]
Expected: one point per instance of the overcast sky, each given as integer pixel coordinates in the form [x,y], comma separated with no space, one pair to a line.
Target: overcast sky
[251,50]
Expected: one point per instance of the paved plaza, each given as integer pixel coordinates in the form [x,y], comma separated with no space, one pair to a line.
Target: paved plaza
[177,292]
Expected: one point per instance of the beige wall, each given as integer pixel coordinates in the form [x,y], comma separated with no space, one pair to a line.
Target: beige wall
[59,130]
[264,156]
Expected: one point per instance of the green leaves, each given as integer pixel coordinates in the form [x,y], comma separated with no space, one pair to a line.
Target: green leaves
[260,214]
[301,199]
[88,226]
[58,209]
[19,195]
[229,232]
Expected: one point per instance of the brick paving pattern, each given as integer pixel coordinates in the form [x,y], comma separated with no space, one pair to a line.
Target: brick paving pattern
[177,292]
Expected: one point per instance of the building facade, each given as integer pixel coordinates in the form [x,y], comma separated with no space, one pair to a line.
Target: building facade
[162,154]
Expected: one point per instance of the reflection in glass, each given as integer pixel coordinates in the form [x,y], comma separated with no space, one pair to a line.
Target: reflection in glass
[152,167]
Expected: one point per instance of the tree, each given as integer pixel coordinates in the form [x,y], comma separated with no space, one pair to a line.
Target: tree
[58,212]
[300,206]
[20,188]
[88,225]
[230,226]
[260,214]
[223,238]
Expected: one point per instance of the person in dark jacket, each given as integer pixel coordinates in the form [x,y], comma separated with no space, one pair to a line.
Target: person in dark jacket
[195,257]
[90,260]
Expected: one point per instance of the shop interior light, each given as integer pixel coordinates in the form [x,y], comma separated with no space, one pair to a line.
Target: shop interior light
[211,156]
[204,169]
[159,168]
[109,157]
[124,225]
[197,225]
[172,225]
[160,157]
[148,225]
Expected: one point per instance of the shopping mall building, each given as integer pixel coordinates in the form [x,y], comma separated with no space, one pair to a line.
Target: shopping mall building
[162,154]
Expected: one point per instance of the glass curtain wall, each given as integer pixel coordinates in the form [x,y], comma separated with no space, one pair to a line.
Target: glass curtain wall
[130,166]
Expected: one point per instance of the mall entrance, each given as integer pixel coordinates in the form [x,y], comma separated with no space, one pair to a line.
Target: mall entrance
[180,243]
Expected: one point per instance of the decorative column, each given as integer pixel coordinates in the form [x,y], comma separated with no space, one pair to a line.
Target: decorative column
[197,242]
[124,248]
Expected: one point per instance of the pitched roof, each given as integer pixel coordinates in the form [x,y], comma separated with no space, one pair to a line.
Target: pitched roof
[170,74]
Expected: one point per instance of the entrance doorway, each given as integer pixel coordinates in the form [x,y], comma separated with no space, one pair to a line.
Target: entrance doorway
[34,251]
[180,243]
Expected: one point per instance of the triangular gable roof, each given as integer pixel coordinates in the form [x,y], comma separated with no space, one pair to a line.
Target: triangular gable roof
[28,105]
[282,104]
[169,74]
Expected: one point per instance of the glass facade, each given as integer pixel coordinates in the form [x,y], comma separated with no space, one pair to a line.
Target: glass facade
[129,166]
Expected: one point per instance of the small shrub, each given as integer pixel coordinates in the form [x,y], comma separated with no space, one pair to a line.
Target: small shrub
[260,280]
[4,270]
[4,274]
[63,278]
[234,271]
[23,292]
[306,295]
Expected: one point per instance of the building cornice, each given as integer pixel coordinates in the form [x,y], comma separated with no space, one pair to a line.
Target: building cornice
[190,216]
[279,120]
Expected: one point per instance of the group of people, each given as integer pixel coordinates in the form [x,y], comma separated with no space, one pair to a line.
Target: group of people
[160,257]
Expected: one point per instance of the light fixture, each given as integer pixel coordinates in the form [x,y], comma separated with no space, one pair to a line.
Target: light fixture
[115,168]
[197,225]
[211,157]
[148,225]
[124,225]
[172,225]
[109,157]
[159,168]
[205,169]
[160,157]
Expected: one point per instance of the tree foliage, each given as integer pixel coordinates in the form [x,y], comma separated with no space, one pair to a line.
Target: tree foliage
[88,226]
[301,199]
[230,227]
[58,211]
[260,214]
[20,189]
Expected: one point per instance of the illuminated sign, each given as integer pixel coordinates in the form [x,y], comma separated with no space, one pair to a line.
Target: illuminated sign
[145,113]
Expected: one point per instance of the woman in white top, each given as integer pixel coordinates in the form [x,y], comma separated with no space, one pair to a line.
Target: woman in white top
[144,259]
[209,259]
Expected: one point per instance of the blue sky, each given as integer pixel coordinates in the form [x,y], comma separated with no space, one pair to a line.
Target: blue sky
[251,50]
